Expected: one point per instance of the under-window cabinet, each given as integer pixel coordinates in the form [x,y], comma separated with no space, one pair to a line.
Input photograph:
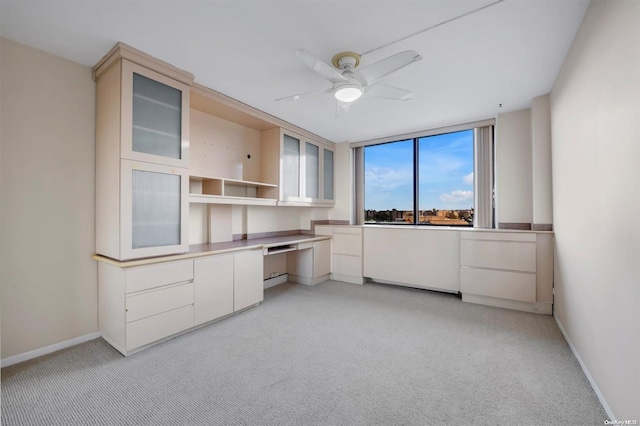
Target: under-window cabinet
[142,144]
[300,166]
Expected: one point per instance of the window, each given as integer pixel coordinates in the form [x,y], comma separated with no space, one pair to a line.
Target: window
[429,180]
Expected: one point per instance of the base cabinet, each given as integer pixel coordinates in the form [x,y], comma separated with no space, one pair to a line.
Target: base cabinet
[248,288]
[507,269]
[138,306]
[213,282]
[310,264]
[346,253]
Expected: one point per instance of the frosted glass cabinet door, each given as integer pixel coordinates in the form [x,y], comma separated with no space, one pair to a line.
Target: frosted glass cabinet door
[290,168]
[155,200]
[312,171]
[154,210]
[327,185]
[155,123]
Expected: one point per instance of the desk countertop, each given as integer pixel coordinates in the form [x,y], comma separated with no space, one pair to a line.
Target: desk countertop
[199,250]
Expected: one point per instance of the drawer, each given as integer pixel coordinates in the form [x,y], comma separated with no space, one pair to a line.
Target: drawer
[502,284]
[146,277]
[347,265]
[154,328]
[148,303]
[514,256]
[350,244]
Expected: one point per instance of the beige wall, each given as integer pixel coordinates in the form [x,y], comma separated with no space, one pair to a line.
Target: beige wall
[595,113]
[47,278]
[513,167]
[344,184]
[541,161]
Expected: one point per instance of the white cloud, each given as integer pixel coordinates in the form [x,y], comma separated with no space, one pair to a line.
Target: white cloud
[468,179]
[457,197]
[387,179]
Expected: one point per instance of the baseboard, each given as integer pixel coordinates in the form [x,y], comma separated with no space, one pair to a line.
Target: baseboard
[517,305]
[271,282]
[48,349]
[586,372]
[307,280]
[347,278]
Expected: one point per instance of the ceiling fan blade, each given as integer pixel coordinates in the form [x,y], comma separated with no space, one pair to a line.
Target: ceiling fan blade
[299,96]
[327,71]
[378,90]
[386,66]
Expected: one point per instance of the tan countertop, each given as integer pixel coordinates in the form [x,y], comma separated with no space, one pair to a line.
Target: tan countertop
[199,250]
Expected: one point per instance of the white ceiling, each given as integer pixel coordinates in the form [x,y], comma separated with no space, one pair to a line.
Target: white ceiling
[506,54]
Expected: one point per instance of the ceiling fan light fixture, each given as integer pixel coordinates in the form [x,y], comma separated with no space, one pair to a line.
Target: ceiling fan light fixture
[348,93]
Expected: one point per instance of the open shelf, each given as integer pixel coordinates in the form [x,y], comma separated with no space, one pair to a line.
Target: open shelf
[217,190]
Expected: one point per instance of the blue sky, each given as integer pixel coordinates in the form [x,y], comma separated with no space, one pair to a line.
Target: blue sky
[446,173]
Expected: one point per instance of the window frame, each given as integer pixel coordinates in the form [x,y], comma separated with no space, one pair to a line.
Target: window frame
[483,161]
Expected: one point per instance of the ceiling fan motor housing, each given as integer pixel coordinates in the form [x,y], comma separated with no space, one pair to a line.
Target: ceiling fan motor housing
[346,60]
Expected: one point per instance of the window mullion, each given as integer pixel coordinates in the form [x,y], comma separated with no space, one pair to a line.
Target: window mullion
[416,183]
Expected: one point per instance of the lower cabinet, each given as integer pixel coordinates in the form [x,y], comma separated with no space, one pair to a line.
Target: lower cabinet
[507,269]
[418,257]
[321,258]
[346,252]
[141,305]
[213,282]
[248,288]
[310,264]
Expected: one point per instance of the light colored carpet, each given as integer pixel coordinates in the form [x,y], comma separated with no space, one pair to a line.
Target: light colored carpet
[333,354]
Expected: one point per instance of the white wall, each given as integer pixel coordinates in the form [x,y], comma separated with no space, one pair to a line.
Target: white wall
[595,112]
[48,280]
[513,167]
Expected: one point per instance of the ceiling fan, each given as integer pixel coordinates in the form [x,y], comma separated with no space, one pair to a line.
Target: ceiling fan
[350,83]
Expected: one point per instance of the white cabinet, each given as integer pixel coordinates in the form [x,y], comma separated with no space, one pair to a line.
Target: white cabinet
[309,262]
[142,144]
[346,252]
[507,269]
[153,205]
[248,287]
[328,167]
[321,258]
[155,117]
[227,283]
[141,305]
[422,257]
[302,168]
[213,281]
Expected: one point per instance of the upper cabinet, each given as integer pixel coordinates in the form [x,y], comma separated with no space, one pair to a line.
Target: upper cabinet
[150,103]
[327,175]
[157,114]
[142,150]
[302,167]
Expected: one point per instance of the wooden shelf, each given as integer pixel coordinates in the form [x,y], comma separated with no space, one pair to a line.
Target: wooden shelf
[217,190]
[230,181]
[227,199]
